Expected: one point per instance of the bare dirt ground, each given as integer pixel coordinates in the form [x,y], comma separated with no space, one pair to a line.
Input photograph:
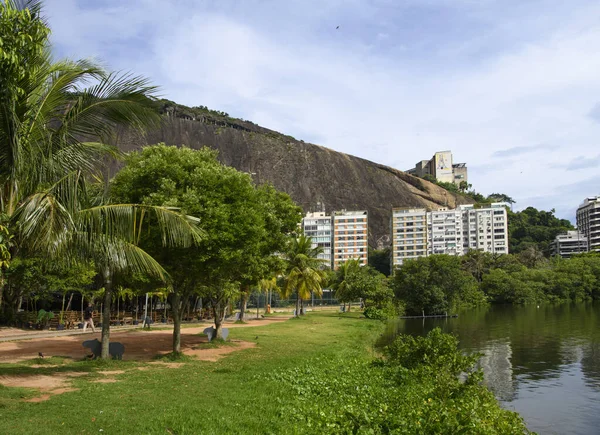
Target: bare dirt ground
[139,345]
[47,385]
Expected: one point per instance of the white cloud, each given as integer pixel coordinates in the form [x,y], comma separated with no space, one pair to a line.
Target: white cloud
[514,80]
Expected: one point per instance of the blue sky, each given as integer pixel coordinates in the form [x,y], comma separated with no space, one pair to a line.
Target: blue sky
[512,87]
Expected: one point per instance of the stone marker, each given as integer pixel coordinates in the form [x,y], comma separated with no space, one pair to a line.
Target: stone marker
[211,333]
[116,349]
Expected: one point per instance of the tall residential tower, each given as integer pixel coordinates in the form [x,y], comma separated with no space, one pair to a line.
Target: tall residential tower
[588,221]
[350,237]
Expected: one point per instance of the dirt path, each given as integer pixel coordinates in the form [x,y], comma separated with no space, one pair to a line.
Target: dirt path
[139,346]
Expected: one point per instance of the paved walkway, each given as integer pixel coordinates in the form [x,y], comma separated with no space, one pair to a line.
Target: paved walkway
[15,334]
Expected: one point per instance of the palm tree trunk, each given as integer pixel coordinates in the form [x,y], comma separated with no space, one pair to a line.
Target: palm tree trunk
[106,314]
[297,305]
[176,310]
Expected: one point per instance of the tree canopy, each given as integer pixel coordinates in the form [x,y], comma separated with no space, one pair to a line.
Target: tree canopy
[534,228]
[243,225]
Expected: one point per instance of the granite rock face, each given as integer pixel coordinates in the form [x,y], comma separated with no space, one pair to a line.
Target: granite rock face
[314,176]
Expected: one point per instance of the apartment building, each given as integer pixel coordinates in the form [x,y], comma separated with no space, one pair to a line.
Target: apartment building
[417,232]
[569,243]
[319,228]
[485,229]
[409,234]
[350,236]
[588,221]
[444,232]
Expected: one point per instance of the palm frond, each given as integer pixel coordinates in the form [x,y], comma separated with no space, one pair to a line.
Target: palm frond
[115,254]
[126,221]
[43,223]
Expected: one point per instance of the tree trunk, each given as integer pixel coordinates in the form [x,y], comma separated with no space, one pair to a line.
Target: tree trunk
[219,313]
[69,303]
[297,305]
[177,311]
[106,314]
[302,307]
[245,291]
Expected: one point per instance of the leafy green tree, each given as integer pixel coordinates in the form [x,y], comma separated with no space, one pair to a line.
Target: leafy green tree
[500,197]
[435,285]
[463,186]
[524,286]
[280,217]
[574,280]
[244,225]
[380,260]
[304,271]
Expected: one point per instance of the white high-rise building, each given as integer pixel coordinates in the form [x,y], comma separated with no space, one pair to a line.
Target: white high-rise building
[588,221]
[409,234]
[444,232]
[318,227]
[350,237]
[419,233]
[486,228]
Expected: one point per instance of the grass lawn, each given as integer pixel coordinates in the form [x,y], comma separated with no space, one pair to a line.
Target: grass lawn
[232,395]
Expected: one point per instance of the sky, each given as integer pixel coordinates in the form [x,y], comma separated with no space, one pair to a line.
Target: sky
[512,87]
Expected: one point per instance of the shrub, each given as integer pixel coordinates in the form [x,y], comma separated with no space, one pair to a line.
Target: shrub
[414,389]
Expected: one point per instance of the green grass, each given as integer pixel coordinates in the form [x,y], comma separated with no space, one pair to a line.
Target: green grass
[314,374]
[233,395]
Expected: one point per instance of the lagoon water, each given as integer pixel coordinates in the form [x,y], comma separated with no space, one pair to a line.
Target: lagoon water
[541,362]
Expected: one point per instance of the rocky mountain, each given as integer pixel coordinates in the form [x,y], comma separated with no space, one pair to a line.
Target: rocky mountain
[314,176]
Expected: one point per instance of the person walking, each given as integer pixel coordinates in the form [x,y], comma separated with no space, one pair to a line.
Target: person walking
[87,317]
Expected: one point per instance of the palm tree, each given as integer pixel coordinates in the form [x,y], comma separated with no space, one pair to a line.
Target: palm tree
[340,282]
[54,130]
[267,285]
[304,271]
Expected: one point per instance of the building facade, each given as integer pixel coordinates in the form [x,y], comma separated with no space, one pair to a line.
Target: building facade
[318,227]
[417,232]
[350,237]
[485,229]
[409,234]
[569,244]
[444,232]
[442,168]
[588,221]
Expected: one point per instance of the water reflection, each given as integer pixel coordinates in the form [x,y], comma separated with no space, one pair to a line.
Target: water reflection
[541,362]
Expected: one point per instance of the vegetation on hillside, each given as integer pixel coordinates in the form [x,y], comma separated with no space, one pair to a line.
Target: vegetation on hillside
[532,228]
